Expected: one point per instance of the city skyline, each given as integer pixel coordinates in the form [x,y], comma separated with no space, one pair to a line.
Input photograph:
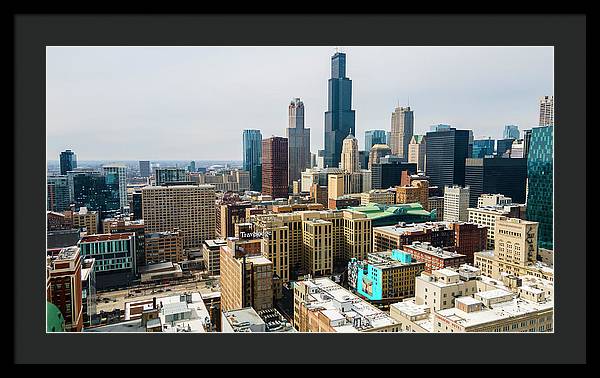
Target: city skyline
[140,98]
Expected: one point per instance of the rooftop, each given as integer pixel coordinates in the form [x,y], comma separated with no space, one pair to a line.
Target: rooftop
[339,303]
[215,243]
[410,308]
[427,248]
[504,310]
[156,267]
[106,237]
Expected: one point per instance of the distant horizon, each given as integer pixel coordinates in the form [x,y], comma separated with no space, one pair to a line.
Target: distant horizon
[158,101]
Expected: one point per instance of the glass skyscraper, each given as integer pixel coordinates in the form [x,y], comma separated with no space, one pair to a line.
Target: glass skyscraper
[483,147]
[503,145]
[252,157]
[58,193]
[339,118]
[68,161]
[540,168]
[96,191]
[373,137]
[511,132]
[120,170]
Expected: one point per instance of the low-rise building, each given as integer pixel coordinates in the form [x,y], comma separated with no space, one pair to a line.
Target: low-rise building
[436,207]
[88,220]
[321,305]
[115,264]
[385,276]
[166,246]
[386,238]
[249,320]
[416,192]
[434,257]
[165,271]
[385,197]
[496,311]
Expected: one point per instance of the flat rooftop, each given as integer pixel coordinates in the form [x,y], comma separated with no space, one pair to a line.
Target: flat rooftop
[434,251]
[499,311]
[156,267]
[403,228]
[410,308]
[328,296]
[106,237]
[215,243]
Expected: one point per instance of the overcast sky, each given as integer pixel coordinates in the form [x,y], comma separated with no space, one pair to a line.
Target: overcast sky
[192,103]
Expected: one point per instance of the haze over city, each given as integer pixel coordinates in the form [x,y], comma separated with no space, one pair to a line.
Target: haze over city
[158,103]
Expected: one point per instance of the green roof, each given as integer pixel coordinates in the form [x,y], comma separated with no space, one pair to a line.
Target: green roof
[55,322]
[374,211]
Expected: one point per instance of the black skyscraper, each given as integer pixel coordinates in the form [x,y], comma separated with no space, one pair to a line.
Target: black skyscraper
[389,174]
[339,118]
[446,152]
[68,161]
[503,145]
[496,176]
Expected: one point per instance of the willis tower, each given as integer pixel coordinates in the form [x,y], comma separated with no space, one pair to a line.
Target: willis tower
[339,118]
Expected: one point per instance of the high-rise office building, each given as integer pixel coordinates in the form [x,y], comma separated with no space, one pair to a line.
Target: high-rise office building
[440,127]
[416,151]
[339,117]
[483,148]
[503,147]
[456,203]
[252,157]
[446,153]
[373,137]
[97,191]
[377,152]
[520,147]
[192,166]
[350,162]
[119,171]
[496,175]
[168,175]
[402,131]
[136,204]
[228,215]
[511,132]
[275,167]
[388,173]
[363,159]
[144,168]
[68,161]
[58,193]
[540,172]
[547,111]
[188,208]
[298,141]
